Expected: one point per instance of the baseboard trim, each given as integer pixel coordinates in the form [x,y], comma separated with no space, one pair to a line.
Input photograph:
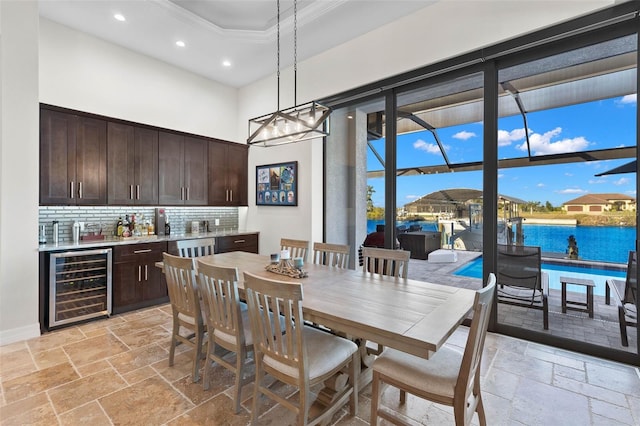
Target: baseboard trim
[19,334]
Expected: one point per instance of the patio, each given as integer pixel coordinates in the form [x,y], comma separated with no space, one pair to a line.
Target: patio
[601,330]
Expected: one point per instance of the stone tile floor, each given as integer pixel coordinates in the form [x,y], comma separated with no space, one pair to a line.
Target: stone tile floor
[115,371]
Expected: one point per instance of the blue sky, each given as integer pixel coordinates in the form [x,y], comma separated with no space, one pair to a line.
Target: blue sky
[596,125]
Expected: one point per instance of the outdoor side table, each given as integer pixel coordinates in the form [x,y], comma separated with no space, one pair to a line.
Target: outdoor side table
[577,305]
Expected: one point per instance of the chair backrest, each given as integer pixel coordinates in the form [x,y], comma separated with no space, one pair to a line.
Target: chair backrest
[297,248]
[182,285]
[284,301]
[468,383]
[381,261]
[218,288]
[519,266]
[631,286]
[196,247]
[331,254]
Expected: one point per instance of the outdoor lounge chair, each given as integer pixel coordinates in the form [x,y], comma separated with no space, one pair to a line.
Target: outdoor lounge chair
[625,294]
[520,280]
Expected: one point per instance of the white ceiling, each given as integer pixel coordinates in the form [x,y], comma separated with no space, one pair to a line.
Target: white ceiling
[243,32]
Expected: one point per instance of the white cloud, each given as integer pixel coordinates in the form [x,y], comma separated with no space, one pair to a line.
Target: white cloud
[501,175]
[629,99]
[568,174]
[571,191]
[412,197]
[430,148]
[621,181]
[540,185]
[542,144]
[595,181]
[506,138]
[633,192]
[464,135]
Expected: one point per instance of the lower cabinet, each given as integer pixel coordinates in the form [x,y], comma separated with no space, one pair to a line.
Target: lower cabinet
[137,282]
[240,242]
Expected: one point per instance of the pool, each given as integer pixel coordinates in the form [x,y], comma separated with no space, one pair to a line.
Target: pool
[473,269]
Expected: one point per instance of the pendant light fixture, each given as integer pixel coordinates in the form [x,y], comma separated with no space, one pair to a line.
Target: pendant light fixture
[298,123]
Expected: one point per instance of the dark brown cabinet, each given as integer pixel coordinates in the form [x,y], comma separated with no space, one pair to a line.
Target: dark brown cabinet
[228,164]
[240,242]
[73,152]
[132,165]
[137,282]
[182,170]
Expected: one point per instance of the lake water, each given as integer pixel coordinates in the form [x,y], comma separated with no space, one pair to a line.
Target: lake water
[601,243]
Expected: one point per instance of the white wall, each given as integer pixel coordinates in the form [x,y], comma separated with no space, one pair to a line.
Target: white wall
[88,74]
[19,117]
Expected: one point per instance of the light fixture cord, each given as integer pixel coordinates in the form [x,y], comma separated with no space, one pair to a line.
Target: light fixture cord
[295,52]
[278,44]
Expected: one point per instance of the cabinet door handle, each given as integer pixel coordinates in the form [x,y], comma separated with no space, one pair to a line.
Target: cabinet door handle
[146,273]
[79,189]
[131,192]
[187,193]
[73,195]
[139,273]
[238,241]
[226,195]
[137,192]
[231,197]
[182,193]
[141,251]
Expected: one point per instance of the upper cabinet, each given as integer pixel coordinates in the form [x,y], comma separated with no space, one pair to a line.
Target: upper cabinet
[73,152]
[182,170]
[228,164]
[91,160]
[132,165]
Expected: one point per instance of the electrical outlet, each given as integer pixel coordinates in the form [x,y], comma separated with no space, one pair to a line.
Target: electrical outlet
[217,222]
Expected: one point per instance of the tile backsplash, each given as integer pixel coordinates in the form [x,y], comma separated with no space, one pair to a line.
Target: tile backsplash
[106,217]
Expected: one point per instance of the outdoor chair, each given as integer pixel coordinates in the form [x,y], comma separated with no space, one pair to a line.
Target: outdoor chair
[625,294]
[197,247]
[297,248]
[447,377]
[185,307]
[303,357]
[331,254]
[520,279]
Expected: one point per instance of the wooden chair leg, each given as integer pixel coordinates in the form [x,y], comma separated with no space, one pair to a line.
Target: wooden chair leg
[174,341]
[240,361]
[375,398]
[255,407]
[208,366]
[353,378]
[480,411]
[545,312]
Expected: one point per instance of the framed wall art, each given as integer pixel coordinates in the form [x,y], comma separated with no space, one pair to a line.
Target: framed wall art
[277,184]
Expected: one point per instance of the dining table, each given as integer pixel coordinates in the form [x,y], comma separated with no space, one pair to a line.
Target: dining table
[416,317]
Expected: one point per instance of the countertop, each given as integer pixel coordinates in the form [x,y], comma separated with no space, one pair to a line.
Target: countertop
[115,241]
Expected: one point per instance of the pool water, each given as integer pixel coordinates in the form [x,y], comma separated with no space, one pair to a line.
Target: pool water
[473,269]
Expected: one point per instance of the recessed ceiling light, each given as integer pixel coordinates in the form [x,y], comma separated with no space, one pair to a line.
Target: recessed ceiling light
[226,63]
[180,43]
[119,17]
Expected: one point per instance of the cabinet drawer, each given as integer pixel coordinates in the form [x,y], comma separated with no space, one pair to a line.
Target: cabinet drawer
[131,251]
[244,242]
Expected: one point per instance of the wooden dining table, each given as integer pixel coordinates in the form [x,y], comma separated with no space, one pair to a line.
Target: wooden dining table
[413,316]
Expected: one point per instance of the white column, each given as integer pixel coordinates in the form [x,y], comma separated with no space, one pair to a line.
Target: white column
[19,170]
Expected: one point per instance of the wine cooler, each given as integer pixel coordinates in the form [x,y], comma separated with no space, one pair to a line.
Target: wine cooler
[79,286]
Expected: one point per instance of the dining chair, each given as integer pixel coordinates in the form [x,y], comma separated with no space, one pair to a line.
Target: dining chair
[185,307]
[381,261]
[302,356]
[297,248]
[228,324]
[331,254]
[447,377]
[196,247]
